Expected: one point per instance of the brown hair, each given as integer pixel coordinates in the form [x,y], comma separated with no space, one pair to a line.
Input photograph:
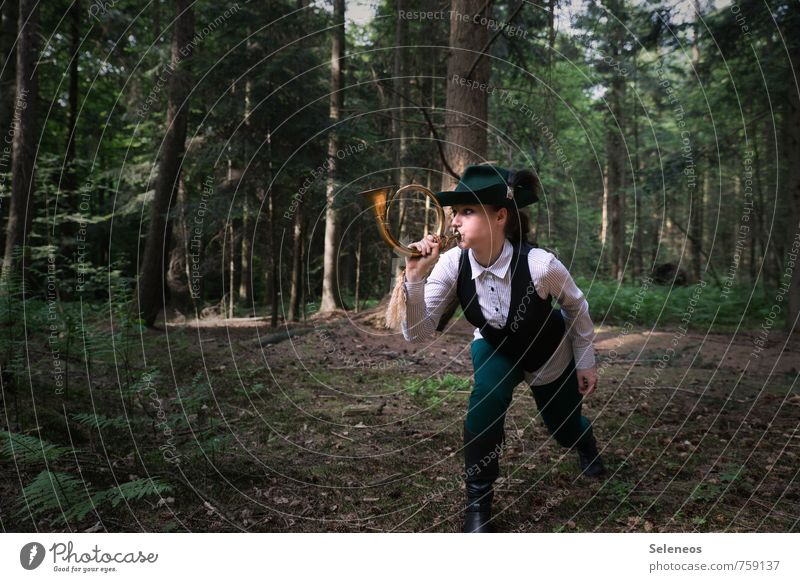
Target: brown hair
[518,225]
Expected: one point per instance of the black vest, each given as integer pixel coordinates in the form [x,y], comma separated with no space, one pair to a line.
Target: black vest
[533,328]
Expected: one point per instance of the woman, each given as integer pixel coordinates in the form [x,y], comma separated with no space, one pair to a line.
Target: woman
[505,286]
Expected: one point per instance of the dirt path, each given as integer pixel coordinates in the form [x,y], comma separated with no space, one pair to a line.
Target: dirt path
[699,433]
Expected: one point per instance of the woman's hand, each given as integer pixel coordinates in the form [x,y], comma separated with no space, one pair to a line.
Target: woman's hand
[587,380]
[417,268]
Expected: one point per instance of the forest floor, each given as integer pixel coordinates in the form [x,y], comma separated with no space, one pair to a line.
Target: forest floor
[345,427]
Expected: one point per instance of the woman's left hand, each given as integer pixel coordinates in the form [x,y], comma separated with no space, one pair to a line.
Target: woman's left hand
[587,380]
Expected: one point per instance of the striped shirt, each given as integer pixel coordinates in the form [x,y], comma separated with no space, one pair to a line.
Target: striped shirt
[428,299]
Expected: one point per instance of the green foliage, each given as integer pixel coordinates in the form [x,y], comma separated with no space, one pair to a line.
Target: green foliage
[51,492]
[54,491]
[433,391]
[25,449]
[96,203]
[63,494]
[259,388]
[658,305]
[215,444]
[621,490]
[705,492]
[729,475]
[99,421]
[144,381]
[192,401]
[191,398]
[452,383]
[132,491]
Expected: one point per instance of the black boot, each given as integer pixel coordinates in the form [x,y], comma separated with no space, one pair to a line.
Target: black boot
[590,461]
[481,468]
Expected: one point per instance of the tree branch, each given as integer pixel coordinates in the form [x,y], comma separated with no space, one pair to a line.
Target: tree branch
[491,40]
[430,125]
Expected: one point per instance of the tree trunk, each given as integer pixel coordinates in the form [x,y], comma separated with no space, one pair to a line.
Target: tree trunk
[178,275]
[150,290]
[705,201]
[231,268]
[20,213]
[696,224]
[466,109]
[792,237]
[605,209]
[357,295]
[8,54]
[272,286]
[758,210]
[695,196]
[304,243]
[398,130]
[156,22]
[616,149]
[246,252]
[245,280]
[273,262]
[330,301]
[297,263]
[637,241]
[68,181]
[398,85]
[549,95]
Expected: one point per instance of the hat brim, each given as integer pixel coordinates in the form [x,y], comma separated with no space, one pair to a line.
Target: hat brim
[522,197]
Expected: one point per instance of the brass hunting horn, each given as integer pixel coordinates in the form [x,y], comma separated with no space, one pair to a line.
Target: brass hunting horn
[380,198]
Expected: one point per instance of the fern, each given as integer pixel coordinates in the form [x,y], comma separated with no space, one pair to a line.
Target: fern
[214,443]
[99,421]
[74,500]
[194,396]
[130,491]
[133,491]
[51,491]
[27,449]
[146,380]
[98,345]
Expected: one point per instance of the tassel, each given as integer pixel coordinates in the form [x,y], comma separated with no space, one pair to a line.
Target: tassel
[396,310]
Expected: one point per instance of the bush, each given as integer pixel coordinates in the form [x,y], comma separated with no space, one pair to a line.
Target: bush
[613,304]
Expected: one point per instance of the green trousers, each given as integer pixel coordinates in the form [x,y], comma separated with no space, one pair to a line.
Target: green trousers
[496,376]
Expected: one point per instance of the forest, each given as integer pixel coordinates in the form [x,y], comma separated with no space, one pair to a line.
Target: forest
[193,288]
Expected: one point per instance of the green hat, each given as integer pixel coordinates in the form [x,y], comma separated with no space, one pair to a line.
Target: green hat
[487,185]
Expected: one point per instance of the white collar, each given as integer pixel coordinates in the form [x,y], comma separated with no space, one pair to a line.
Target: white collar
[498,268]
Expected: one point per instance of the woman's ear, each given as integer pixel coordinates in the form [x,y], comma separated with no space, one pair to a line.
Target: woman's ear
[502,214]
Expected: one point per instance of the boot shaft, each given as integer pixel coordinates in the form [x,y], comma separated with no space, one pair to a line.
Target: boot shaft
[482,455]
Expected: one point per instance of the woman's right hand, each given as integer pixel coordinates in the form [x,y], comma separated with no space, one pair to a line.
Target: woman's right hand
[417,268]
